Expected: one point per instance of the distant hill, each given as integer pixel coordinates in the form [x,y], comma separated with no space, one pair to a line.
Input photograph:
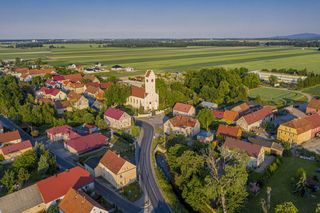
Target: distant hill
[299,36]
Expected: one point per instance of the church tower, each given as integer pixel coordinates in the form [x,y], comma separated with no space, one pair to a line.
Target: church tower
[150,82]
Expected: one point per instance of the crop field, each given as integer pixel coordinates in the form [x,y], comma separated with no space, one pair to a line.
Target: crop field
[277,96]
[173,59]
[315,90]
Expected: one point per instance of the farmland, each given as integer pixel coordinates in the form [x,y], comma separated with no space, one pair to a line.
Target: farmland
[173,59]
[315,90]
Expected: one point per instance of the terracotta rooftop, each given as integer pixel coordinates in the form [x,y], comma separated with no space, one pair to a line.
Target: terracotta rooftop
[92,90]
[88,142]
[182,107]
[304,124]
[183,121]
[58,78]
[138,92]
[105,85]
[58,185]
[12,148]
[59,130]
[230,115]
[314,104]
[252,150]
[41,71]
[240,108]
[232,131]
[9,136]
[73,77]
[112,161]
[114,113]
[218,114]
[258,115]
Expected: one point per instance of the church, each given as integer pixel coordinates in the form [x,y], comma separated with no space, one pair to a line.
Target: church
[145,97]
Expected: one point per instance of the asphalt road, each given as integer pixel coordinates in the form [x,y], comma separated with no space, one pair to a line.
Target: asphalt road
[146,170]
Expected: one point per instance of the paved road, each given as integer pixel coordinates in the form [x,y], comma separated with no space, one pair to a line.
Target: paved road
[147,172]
[11,125]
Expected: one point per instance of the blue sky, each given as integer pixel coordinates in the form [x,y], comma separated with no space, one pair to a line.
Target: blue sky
[156,19]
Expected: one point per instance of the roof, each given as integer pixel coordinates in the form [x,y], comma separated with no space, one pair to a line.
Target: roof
[59,130]
[105,85]
[183,121]
[12,148]
[9,136]
[138,91]
[41,71]
[241,108]
[203,133]
[182,107]
[218,114]
[58,78]
[232,131]
[93,84]
[258,115]
[114,113]
[112,161]
[48,91]
[148,73]
[73,77]
[74,96]
[87,142]
[230,115]
[90,77]
[93,161]
[21,200]
[92,89]
[58,185]
[266,143]
[304,124]
[117,66]
[314,104]
[77,201]
[62,104]
[252,150]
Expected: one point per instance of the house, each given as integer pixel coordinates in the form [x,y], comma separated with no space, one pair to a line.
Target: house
[58,78]
[91,164]
[229,131]
[116,170]
[117,118]
[230,116]
[61,133]
[106,85]
[313,106]
[129,69]
[254,151]
[145,97]
[299,130]
[204,136]
[63,106]
[255,119]
[184,110]
[55,187]
[218,114]
[78,101]
[78,201]
[116,67]
[91,78]
[270,147]
[85,143]
[53,94]
[10,138]
[183,125]
[11,151]
[241,108]
[76,87]
[209,105]
[26,200]
[74,78]
[94,92]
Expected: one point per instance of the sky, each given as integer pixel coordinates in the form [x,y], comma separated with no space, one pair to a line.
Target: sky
[84,19]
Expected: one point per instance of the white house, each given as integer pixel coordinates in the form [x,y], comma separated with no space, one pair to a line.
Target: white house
[117,118]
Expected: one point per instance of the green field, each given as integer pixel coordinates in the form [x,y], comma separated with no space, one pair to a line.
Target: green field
[281,186]
[174,59]
[315,90]
[277,96]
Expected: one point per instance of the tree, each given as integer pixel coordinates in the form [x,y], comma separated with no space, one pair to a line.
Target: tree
[317,208]
[1,157]
[23,175]
[265,205]
[233,165]
[300,186]
[117,94]
[135,131]
[273,79]
[286,207]
[101,123]
[8,180]
[251,80]
[26,160]
[53,209]
[206,118]
[43,165]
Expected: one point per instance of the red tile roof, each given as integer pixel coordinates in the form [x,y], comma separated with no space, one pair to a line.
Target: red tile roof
[85,143]
[230,115]
[73,77]
[251,149]
[138,92]
[16,147]
[114,113]
[258,115]
[314,104]
[9,136]
[112,161]
[49,91]
[241,108]
[58,185]
[105,85]
[304,124]
[183,121]
[41,71]
[232,131]
[64,129]
[58,78]
[182,107]
[218,114]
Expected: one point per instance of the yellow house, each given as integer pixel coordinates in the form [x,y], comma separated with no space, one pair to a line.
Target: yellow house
[116,170]
[11,151]
[299,130]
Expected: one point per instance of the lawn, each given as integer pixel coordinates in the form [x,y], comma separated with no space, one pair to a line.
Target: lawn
[281,186]
[315,90]
[173,59]
[276,96]
[132,192]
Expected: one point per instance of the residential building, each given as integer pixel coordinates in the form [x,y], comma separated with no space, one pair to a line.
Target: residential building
[117,118]
[205,136]
[230,116]
[241,108]
[55,187]
[145,97]
[61,133]
[11,151]
[94,92]
[79,202]
[254,151]
[74,78]
[229,131]
[299,130]
[282,77]
[116,67]
[53,94]
[184,110]
[255,119]
[85,143]
[313,106]
[183,125]
[10,138]
[270,147]
[116,170]
[78,101]
[91,78]
[63,106]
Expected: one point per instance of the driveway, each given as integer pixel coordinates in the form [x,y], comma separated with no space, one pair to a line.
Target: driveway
[312,145]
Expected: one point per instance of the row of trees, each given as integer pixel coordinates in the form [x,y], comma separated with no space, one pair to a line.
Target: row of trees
[290,71]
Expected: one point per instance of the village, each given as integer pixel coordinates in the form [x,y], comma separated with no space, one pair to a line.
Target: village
[94,147]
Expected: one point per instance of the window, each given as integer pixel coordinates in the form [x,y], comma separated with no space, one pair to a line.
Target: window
[151,80]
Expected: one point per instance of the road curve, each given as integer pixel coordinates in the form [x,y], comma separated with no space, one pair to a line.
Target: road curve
[147,171]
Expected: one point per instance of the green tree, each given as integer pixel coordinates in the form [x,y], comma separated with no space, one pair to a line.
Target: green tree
[1,157]
[43,165]
[8,180]
[251,80]
[101,123]
[26,160]
[317,208]
[300,186]
[273,79]
[53,209]
[23,176]
[135,131]
[117,94]
[206,118]
[286,207]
